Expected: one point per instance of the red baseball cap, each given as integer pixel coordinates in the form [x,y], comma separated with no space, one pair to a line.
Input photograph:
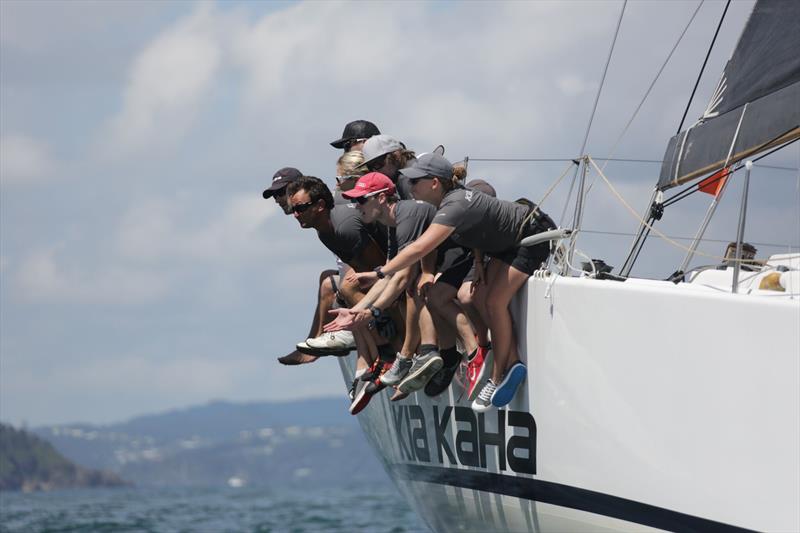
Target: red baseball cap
[371,183]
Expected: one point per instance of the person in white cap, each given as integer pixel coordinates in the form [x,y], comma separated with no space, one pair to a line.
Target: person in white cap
[387,155]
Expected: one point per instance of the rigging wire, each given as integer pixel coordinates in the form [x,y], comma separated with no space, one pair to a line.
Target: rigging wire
[566,159]
[700,75]
[724,241]
[666,238]
[653,83]
[594,107]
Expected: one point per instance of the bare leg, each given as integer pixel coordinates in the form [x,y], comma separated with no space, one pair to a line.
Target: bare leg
[503,281]
[366,349]
[470,307]
[449,317]
[325,299]
[412,336]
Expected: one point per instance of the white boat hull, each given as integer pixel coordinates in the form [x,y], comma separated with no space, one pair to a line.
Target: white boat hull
[647,405]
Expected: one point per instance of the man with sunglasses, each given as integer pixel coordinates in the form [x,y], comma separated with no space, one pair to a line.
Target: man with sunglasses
[327,293]
[341,229]
[355,134]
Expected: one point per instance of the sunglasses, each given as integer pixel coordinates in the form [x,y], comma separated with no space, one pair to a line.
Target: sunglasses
[342,179]
[415,180]
[349,144]
[375,164]
[361,200]
[301,208]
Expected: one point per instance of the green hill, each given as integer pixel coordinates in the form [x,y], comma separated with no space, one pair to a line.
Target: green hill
[29,463]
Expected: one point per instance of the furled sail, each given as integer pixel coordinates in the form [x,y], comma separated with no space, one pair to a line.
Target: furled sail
[757,102]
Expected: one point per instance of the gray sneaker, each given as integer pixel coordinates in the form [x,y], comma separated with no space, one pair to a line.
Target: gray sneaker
[423,369]
[399,369]
[484,400]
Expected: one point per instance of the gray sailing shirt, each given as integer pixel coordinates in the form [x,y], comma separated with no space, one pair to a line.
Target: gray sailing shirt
[403,186]
[412,217]
[481,221]
[349,236]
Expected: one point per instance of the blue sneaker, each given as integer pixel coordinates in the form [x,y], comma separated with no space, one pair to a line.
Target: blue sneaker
[508,387]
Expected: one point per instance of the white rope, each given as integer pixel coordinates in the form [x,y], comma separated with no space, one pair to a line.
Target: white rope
[652,228]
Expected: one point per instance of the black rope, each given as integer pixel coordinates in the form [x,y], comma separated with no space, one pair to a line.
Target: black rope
[699,76]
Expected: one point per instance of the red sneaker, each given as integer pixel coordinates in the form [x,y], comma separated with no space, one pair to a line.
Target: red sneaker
[478,368]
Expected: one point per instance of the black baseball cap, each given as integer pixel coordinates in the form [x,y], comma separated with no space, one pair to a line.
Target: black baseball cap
[281,179]
[358,129]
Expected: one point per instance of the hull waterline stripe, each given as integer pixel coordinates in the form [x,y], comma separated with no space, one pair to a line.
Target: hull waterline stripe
[563,496]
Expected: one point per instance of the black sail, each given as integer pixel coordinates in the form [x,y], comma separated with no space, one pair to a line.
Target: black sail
[757,102]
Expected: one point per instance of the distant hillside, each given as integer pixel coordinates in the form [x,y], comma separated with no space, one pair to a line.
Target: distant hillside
[29,463]
[268,444]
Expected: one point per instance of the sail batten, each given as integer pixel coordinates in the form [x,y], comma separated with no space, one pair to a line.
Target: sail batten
[761,80]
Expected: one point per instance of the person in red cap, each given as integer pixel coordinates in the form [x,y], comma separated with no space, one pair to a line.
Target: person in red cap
[376,197]
[487,225]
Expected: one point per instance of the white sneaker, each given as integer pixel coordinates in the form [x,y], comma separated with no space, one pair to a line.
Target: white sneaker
[338,343]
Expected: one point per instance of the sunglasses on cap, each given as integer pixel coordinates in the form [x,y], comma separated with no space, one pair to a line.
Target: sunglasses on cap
[342,179]
[301,208]
[349,143]
[361,200]
[377,163]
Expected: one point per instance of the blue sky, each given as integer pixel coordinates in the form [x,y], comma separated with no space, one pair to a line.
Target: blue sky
[142,271]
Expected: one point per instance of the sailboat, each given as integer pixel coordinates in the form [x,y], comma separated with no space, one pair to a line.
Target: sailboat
[649,404]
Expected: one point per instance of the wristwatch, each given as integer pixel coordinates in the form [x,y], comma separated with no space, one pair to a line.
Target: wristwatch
[380,273]
[376,313]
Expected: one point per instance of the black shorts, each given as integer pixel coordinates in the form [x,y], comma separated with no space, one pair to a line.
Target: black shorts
[454,264]
[527,259]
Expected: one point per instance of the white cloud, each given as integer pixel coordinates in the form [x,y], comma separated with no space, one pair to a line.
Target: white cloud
[24,160]
[159,229]
[41,278]
[574,85]
[168,82]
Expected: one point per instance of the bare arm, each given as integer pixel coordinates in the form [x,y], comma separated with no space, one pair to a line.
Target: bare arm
[435,235]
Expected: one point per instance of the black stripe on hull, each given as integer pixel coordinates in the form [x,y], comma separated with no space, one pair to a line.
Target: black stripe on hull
[563,496]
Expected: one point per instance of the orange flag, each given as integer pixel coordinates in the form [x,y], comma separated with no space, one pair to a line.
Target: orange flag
[714,183]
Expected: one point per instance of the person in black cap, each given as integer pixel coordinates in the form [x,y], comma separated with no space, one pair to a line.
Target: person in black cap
[355,134]
[277,190]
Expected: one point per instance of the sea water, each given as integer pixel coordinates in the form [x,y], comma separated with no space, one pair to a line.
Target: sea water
[224,509]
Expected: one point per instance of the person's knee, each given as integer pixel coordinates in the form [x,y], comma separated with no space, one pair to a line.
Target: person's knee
[326,288]
[465,296]
[438,295]
[325,274]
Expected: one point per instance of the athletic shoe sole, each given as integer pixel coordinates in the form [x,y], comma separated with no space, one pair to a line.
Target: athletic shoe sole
[420,377]
[320,352]
[483,375]
[433,391]
[480,408]
[362,398]
[508,387]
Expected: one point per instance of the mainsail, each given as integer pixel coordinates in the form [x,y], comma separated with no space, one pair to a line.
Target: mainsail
[757,102]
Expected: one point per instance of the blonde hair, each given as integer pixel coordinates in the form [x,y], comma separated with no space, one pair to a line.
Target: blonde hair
[348,164]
